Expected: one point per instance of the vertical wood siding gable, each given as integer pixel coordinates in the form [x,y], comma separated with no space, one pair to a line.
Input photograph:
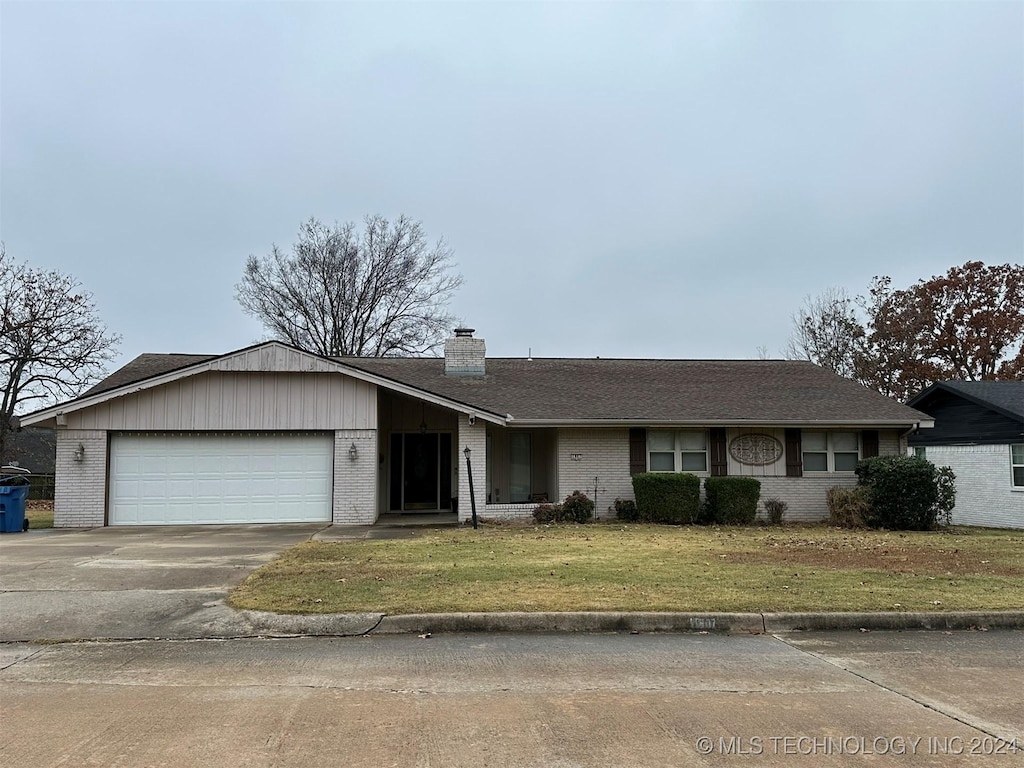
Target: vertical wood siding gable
[637,450]
[794,461]
[719,453]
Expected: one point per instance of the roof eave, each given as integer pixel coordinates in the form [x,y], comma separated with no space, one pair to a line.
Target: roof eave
[922,423]
[52,415]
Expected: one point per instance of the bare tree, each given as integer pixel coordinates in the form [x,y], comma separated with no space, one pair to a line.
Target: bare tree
[53,345]
[377,292]
[827,332]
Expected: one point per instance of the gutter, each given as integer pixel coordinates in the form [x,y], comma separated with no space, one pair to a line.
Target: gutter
[723,423]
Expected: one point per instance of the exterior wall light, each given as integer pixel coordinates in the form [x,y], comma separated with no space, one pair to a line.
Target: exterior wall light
[353,452]
[79,453]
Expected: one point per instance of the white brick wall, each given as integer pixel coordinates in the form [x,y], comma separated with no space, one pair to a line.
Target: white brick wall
[806,496]
[584,454]
[984,485]
[355,480]
[80,490]
[476,438]
[464,356]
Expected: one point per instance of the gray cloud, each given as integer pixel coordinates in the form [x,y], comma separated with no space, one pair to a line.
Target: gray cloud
[618,180]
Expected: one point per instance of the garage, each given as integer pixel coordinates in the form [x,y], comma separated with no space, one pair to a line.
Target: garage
[191,478]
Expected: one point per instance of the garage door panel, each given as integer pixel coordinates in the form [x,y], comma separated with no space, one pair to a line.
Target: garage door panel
[210,479]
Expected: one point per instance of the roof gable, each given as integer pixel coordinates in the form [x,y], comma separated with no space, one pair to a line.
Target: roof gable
[1004,397]
[148,371]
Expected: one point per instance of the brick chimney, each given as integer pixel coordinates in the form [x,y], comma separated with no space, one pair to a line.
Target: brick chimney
[464,355]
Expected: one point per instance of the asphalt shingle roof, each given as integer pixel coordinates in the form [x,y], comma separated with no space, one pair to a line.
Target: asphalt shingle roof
[578,389]
[650,390]
[1007,396]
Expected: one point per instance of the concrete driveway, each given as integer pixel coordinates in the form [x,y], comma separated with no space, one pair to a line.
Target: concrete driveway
[127,583]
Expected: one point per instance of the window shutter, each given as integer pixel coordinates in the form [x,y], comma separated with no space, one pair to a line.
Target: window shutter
[794,462]
[869,443]
[637,450]
[719,453]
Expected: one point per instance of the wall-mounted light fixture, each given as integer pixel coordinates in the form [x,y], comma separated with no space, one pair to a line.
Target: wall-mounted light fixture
[353,452]
[79,453]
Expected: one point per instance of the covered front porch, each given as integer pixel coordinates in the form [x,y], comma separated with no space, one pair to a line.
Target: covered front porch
[422,463]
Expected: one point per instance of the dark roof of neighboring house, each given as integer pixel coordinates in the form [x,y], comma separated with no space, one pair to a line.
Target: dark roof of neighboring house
[1005,397]
[33,448]
[579,389]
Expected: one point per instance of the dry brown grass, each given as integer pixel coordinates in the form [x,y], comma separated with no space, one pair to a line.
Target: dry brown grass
[650,568]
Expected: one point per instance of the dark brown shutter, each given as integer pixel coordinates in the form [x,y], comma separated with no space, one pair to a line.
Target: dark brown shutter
[869,443]
[794,461]
[637,450]
[719,453]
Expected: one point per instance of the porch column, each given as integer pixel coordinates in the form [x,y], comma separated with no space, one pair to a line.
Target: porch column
[474,436]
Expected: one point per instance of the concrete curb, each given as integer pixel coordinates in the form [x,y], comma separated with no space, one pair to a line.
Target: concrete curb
[727,623]
[822,622]
[354,624]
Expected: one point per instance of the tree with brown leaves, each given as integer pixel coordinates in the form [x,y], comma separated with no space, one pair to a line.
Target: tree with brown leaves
[965,325]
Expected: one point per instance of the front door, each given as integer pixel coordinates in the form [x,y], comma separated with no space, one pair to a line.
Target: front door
[421,471]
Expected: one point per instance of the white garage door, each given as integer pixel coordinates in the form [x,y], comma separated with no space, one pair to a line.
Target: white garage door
[207,479]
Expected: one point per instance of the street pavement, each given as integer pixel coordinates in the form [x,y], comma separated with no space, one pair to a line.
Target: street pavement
[615,699]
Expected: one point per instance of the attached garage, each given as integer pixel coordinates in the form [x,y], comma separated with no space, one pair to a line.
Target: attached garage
[196,478]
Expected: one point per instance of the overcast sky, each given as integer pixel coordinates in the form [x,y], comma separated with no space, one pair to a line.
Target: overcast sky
[622,180]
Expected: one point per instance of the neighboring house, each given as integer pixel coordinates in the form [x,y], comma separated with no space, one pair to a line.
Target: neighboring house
[33,449]
[979,433]
[274,434]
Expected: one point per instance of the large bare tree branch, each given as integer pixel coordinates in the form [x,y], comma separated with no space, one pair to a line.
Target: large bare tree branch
[377,292]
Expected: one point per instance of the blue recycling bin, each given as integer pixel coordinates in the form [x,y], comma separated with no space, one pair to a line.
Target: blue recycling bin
[12,508]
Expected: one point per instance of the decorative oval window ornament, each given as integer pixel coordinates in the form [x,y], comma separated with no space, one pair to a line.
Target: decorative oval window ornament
[755,450]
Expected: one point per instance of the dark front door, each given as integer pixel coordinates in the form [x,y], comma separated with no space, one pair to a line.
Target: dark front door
[421,471]
[420,476]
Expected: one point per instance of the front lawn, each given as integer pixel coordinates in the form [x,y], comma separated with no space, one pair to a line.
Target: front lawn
[646,568]
[39,513]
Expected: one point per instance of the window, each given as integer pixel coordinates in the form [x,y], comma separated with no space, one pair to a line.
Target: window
[830,451]
[680,451]
[1017,465]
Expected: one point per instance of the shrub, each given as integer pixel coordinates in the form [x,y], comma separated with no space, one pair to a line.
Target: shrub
[847,507]
[903,492]
[548,513]
[775,509]
[625,510]
[663,497]
[946,484]
[577,508]
[731,500]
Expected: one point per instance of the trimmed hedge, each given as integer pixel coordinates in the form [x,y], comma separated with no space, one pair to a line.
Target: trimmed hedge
[731,500]
[905,493]
[663,497]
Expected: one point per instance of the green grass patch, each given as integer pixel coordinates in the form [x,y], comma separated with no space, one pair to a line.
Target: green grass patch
[646,568]
[39,517]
